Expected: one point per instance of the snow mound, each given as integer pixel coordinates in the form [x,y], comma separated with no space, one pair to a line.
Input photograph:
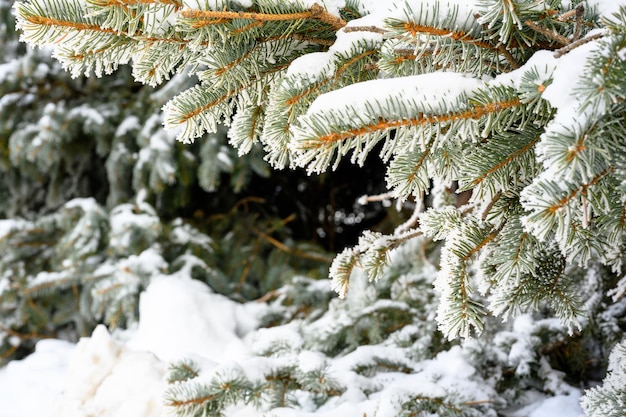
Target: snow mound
[107,379]
[181,317]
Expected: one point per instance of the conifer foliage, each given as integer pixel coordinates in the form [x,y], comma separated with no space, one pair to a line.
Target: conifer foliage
[478,98]
[96,199]
[516,105]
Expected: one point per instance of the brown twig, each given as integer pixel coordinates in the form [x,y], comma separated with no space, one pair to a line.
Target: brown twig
[510,59]
[580,11]
[373,29]
[550,34]
[490,205]
[568,48]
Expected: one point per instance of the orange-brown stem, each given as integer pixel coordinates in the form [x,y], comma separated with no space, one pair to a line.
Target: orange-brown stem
[136,2]
[343,68]
[316,12]
[473,113]
[414,29]
[49,21]
[506,161]
[582,190]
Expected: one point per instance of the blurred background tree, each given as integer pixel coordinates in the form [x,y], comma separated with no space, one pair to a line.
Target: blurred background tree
[95,198]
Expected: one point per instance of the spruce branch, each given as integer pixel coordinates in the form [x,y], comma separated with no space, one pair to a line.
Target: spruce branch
[450,405]
[553,211]
[581,190]
[291,96]
[199,109]
[36,21]
[502,164]
[25,336]
[407,173]
[507,160]
[211,17]
[580,11]
[42,29]
[48,286]
[329,80]
[415,30]
[473,113]
[371,253]
[183,370]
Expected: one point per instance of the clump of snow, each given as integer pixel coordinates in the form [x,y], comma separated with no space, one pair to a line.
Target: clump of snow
[124,374]
[42,376]
[309,65]
[605,7]
[314,66]
[181,317]
[106,379]
[559,405]
[562,93]
[310,361]
[9,225]
[184,233]
[124,219]
[128,125]
[425,90]
[85,204]
[273,340]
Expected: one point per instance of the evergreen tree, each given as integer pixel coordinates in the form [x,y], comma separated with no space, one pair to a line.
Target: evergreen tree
[500,123]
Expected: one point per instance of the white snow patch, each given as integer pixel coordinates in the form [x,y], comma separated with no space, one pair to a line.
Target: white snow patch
[460,13]
[560,405]
[85,204]
[424,89]
[310,65]
[8,226]
[180,317]
[32,386]
[130,124]
[571,66]
[310,361]
[605,7]
[107,380]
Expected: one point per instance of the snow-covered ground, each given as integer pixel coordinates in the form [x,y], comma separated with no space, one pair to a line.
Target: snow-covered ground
[124,374]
